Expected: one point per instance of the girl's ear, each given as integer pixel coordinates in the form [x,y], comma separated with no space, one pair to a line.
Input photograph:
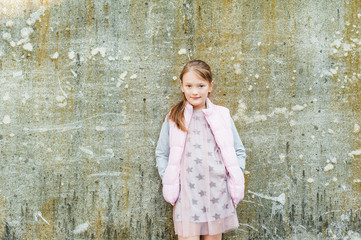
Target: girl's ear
[180,81]
[210,87]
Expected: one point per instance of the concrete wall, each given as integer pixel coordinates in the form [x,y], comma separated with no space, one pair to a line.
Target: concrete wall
[85,85]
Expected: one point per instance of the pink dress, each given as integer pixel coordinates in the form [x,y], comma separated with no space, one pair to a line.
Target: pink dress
[204,206]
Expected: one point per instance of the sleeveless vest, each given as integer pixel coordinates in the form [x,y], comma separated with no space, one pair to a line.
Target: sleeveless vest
[219,120]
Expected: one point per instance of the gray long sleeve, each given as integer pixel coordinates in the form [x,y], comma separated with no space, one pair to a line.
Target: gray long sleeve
[162,149]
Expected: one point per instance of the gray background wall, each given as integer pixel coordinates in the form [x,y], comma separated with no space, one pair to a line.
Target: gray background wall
[85,85]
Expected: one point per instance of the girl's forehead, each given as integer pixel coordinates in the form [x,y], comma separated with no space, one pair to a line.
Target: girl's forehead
[193,77]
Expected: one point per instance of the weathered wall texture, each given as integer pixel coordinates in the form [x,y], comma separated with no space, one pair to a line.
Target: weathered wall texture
[85,85]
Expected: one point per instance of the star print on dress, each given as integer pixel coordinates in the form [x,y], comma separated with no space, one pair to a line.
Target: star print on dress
[225,206]
[194,202]
[212,184]
[189,170]
[198,161]
[197,146]
[189,154]
[200,177]
[216,216]
[214,200]
[197,132]
[202,193]
[191,185]
[195,217]
[210,154]
[204,209]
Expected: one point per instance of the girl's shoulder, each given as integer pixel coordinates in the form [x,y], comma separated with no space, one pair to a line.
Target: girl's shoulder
[221,108]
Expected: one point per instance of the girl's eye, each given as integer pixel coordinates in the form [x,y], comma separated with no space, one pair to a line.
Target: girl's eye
[202,86]
[188,86]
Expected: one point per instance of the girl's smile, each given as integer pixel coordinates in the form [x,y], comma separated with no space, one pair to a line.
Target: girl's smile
[196,89]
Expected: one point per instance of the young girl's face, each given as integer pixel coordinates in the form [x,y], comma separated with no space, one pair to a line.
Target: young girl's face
[196,89]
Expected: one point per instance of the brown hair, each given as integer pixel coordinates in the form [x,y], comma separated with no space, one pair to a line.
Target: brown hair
[202,69]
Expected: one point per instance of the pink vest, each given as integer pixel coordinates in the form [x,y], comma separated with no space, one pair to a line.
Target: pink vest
[219,121]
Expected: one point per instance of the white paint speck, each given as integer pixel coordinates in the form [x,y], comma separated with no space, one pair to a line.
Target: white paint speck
[310,180]
[281,198]
[330,131]
[260,117]
[126,58]
[17,74]
[87,151]
[357,180]
[60,98]
[356,128]
[355,153]
[237,68]
[62,104]
[182,51]
[250,88]
[334,179]
[123,75]
[7,36]
[38,214]
[107,174]
[100,50]
[282,157]
[100,128]
[9,24]
[7,119]
[256,76]
[328,167]
[74,73]
[34,17]
[119,83]
[71,54]
[81,228]
[26,32]
[337,43]
[298,108]
[134,76]
[259,44]
[6,96]
[28,47]
[293,123]
[54,56]
[175,78]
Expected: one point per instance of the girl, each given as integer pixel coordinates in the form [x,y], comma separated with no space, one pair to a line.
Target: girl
[200,159]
